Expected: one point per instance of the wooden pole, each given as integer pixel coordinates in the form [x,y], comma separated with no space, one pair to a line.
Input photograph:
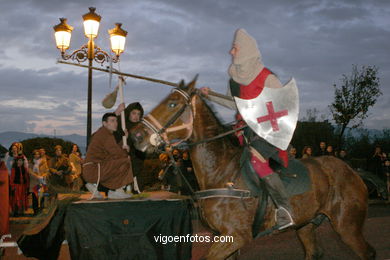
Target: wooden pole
[123,123]
[143,78]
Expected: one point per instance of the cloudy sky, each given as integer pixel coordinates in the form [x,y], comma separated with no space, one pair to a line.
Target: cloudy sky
[316,42]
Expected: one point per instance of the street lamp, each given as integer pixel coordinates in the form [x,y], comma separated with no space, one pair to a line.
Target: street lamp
[117,39]
[89,51]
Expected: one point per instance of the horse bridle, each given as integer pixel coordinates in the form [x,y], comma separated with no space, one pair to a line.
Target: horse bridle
[160,132]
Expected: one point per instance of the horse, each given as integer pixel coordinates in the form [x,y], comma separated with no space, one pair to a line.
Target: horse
[336,190]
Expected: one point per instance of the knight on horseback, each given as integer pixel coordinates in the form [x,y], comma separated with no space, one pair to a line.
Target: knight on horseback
[269,133]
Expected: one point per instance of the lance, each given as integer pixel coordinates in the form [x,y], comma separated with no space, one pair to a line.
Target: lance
[113,94]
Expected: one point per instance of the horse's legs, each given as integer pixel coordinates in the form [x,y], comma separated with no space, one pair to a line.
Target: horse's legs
[233,220]
[350,228]
[308,239]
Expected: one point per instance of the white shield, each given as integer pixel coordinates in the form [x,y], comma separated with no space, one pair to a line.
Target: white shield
[273,114]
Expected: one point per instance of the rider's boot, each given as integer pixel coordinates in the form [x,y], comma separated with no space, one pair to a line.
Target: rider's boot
[279,196]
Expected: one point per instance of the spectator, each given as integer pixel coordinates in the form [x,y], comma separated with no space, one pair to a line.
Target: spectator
[176,155]
[306,152]
[329,151]
[343,155]
[322,150]
[44,156]
[189,174]
[292,152]
[15,150]
[386,170]
[59,168]
[169,175]
[186,162]
[4,198]
[19,184]
[75,162]
[38,172]
[164,162]
[384,157]
[375,163]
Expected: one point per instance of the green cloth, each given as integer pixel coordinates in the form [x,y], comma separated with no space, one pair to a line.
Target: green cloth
[114,230]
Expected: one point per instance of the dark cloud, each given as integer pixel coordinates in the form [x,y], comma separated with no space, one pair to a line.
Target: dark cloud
[342,14]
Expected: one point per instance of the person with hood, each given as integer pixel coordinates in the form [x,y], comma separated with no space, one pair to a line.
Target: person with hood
[249,77]
[134,112]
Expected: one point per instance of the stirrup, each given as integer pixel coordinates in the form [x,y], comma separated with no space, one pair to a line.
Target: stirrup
[287,220]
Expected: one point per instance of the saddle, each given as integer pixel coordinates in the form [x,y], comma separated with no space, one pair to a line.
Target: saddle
[295,177]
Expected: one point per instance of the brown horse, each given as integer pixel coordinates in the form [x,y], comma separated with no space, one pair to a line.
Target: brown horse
[336,190]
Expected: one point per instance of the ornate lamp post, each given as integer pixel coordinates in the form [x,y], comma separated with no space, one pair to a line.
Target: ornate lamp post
[89,51]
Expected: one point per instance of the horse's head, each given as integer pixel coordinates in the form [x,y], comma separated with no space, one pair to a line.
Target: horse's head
[170,120]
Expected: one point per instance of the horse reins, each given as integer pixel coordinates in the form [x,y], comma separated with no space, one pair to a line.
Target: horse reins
[160,132]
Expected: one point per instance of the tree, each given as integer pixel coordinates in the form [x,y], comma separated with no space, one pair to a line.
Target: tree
[312,115]
[357,93]
[359,145]
[47,143]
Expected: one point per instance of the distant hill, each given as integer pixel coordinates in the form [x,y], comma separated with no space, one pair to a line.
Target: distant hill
[7,138]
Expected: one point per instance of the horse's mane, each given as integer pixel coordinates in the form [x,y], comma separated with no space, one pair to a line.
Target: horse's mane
[221,128]
[210,106]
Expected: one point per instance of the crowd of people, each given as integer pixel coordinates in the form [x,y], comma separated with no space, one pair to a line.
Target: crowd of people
[377,164]
[323,149]
[30,174]
[177,175]
[26,179]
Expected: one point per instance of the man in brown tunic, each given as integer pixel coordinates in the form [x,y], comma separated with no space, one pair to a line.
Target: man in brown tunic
[106,162]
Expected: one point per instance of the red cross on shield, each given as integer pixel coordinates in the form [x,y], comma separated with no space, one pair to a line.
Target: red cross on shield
[272,116]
